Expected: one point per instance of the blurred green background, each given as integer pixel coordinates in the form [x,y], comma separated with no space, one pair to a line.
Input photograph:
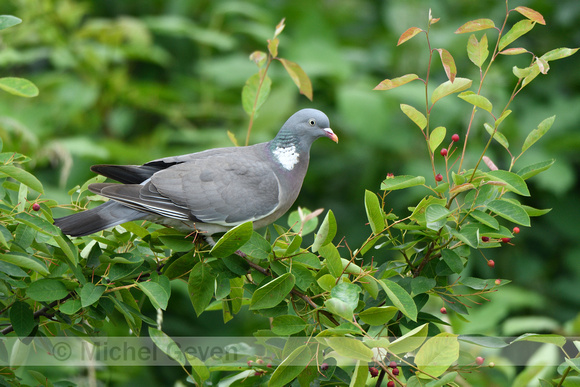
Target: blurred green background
[130,81]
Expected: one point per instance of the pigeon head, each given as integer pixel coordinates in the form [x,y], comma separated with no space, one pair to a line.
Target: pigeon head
[302,128]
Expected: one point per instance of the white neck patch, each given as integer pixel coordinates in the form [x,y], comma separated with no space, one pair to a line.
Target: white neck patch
[288,157]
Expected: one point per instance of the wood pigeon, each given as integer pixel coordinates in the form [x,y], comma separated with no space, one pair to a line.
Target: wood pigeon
[209,191]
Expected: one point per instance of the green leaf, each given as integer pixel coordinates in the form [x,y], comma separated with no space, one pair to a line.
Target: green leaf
[339,308]
[513,182]
[400,298]
[255,94]
[445,380]
[200,371]
[272,293]
[436,137]
[287,325]
[156,294]
[257,247]
[19,86]
[22,176]
[401,182]
[70,251]
[177,243]
[520,28]
[350,348]
[167,345]
[436,216]
[537,133]
[374,212]
[484,341]
[510,211]
[557,340]
[480,284]
[389,84]
[360,374]
[476,100]
[90,293]
[422,284]
[485,218]
[46,290]
[346,292]
[477,50]
[201,286]
[22,318]
[326,232]
[497,136]
[7,21]
[25,262]
[299,77]
[447,88]
[453,260]
[559,53]
[378,315]
[296,222]
[437,355]
[410,341]
[332,259]
[291,367]
[475,25]
[531,211]
[532,170]
[70,307]
[39,224]
[232,240]
[415,115]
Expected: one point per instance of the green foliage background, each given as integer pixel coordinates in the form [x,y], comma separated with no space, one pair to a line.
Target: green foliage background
[130,81]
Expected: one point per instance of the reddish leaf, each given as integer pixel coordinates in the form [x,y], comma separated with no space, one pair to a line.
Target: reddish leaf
[389,84]
[299,77]
[408,35]
[477,50]
[543,66]
[531,14]
[490,164]
[520,28]
[514,51]
[448,64]
[259,58]
[475,25]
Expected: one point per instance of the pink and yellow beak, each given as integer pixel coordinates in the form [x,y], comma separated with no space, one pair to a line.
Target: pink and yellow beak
[330,134]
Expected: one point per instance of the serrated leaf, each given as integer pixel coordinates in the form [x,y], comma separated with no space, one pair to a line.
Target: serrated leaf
[389,84]
[232,240]
[22,318]
[19,86]
[291,367]
[531,14]
[415,115]
[510,211]
[299,77]
[156,294]
[378,315]
[400,298]
[475,25]
[272,293]
[437,355]
[287,325]
[22,176]
[537,133]
[477,50]
[476,100]
[447,88]
[200,286]
[497,136]
[374,212]
[326,232]
[520,28]
[408,34]
[410,341]
[514,183]
[448,64]
[436,137]
[167,345]
[559,53]
[401,182]
[255,92]
[46,290]
[91,293]
[7,21]
[534,169]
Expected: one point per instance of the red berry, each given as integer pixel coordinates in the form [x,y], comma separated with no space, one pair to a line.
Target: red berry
[498,281]
[324,366]
[257,373]
[374,372]
[484,239]
[443,152]
[506,240]
[455,137]
[391,384]
[269,365]
[36,207]
[479,360]
[250,363]
[491,263]
[438,177]
[393,364]
[516,230]
[444,310]
[395,371]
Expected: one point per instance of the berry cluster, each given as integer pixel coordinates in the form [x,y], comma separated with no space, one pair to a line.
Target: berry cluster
[445,152]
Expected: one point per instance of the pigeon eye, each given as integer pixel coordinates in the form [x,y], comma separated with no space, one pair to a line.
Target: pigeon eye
[312,122]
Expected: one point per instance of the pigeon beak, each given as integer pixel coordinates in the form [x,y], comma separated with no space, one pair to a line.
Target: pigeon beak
[330,134]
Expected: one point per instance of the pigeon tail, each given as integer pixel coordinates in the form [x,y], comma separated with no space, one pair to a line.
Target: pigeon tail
[104,216]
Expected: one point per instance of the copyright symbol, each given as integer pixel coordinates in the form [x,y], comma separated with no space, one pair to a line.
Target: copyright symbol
[61,351]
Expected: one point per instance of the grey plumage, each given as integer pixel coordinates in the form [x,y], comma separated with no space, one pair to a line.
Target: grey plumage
[210,191]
